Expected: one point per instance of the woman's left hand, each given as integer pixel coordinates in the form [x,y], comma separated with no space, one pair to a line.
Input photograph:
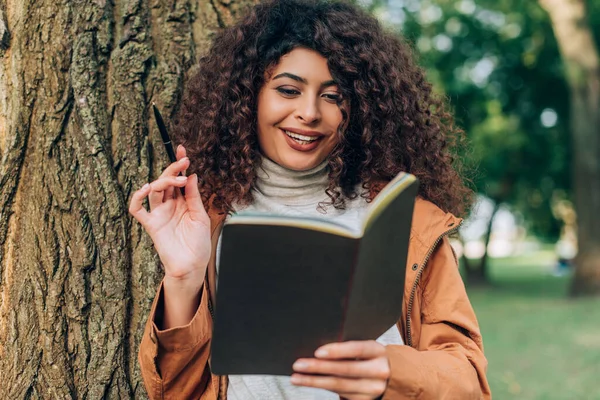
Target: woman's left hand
[356,370]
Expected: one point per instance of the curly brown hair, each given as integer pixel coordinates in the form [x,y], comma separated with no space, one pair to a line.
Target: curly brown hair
[395,122]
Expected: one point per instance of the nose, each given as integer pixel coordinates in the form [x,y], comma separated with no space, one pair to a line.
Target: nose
[308,110]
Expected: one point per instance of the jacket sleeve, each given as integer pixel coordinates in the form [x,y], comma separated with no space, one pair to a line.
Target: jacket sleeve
[448,362]
[174,362]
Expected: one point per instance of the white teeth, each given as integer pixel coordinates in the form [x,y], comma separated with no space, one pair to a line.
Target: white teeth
[300,137]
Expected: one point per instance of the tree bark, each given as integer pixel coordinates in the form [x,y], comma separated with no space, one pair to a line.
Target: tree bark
[77,275]
[582,72]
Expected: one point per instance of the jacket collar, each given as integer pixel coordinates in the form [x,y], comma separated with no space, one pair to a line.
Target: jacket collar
[430,222]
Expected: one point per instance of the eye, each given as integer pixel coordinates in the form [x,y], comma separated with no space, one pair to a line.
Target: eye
[332,97]
[288,92]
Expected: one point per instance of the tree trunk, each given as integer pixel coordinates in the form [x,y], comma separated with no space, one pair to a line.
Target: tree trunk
[483,263]
[478,272]
[76,139]
[582,68]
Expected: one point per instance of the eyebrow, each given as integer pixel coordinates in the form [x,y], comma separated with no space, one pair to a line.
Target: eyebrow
[302,80]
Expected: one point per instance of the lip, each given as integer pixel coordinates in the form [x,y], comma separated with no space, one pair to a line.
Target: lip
[301,147]
[303,132]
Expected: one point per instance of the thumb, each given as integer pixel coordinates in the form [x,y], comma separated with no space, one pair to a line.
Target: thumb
[194,200]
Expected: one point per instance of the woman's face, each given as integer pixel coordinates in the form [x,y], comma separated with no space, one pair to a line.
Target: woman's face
[298,115]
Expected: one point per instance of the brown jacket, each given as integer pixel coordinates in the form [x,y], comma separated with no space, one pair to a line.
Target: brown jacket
[442,359]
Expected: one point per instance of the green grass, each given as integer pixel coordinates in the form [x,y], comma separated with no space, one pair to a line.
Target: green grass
[539,343]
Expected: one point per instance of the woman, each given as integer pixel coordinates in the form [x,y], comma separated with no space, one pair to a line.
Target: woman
[308,108]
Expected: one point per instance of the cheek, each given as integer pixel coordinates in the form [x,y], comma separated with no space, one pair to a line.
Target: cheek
[334,141]
[333,115]
[271,110]
[334,122]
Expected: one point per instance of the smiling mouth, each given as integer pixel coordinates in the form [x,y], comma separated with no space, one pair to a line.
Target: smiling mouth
[301,139]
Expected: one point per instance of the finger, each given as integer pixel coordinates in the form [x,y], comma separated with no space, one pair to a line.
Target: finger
[362,349]
[169,193]
[155,199]
[175,168]
[194,200]
[181,152]
[160,186]
[376,368]
[369,387]
[136,205]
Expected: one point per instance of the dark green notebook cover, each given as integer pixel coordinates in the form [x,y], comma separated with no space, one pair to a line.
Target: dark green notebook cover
[289,285]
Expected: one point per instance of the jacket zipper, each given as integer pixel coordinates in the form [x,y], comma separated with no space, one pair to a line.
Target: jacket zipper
[210,308]
[212,314]
[417,279]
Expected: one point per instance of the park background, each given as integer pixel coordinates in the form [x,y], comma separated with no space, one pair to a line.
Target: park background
[523,78]
[77,275]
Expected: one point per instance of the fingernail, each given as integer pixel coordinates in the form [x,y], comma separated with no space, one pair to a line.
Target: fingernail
[183,160]
[300,365]
[321,353]
[296,379]
[146,186]
[181,178]
[178,147]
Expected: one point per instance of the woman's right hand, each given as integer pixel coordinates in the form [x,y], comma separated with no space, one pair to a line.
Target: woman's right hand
[178,225]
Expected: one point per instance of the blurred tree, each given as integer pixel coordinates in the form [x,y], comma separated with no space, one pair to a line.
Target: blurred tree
[582,72]
[499,64]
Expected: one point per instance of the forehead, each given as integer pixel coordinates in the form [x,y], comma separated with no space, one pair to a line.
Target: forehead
[305,63]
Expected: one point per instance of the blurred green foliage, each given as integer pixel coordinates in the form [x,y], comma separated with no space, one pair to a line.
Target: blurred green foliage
[498,63]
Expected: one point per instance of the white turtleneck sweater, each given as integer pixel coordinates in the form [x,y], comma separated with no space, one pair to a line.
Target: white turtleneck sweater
[286,192]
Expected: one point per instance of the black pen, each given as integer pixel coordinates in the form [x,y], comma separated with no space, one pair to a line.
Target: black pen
[165,138]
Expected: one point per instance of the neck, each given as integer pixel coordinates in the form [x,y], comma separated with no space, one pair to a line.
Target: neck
[290,187]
